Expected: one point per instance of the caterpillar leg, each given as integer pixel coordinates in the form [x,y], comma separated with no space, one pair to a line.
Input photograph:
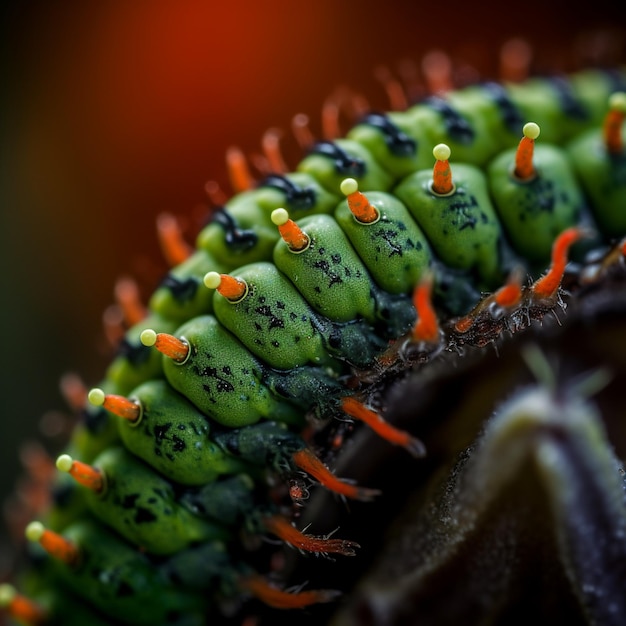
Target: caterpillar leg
[309,463]
[380,426]
[282,528]
[280,599]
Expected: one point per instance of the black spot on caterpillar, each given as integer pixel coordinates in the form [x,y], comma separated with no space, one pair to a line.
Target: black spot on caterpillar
[244,395]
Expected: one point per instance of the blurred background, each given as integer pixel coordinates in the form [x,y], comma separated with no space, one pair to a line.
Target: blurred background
[113,112]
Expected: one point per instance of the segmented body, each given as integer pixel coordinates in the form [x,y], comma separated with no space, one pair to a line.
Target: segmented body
[188,472]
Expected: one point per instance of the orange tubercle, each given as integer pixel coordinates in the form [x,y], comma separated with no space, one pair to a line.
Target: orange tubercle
[291,233]
[352,407]
[172,347]
[113,324]
[309,463]
[74,391]
[464,324]
[127,296]
[511,293]
[358,203]
[119,405]
[215,194]
[86,475]
[19,607]
[238,171]
[302,131]
[175,248]
[271,148]
[612,128]
[426,327]
[442,176]
[393,88]
[233,289]
[54,544]
[280,599]
[330,117]
[524,167]
[549,284]
[281,527]
[515,58]
[437,70]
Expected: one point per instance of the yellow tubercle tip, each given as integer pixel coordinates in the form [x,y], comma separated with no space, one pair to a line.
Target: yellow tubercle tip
[617,101]
[348,186]
[279,217]
[531,130]
[442,152]
[148,337]
[96,396]
[34,531]
[212,280]
[7,594]
[64,463]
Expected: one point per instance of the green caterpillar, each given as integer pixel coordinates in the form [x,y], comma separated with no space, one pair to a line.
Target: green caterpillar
[175,452]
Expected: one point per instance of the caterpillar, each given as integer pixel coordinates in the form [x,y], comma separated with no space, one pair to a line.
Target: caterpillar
[299,303]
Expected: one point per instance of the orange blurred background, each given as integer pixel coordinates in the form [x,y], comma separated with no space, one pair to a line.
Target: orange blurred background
[116,111]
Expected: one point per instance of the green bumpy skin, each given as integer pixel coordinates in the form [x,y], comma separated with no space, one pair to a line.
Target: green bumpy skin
[229,500]
[501,121]
[276,324]
[265,445]
[329,274]
[534,212]
[174,437]
[273,321]
[306,197]
[131,580]
[542,102]
[456,123]
[330,174]
[222,378]
[394,248]
[603,177]
[398,162]
[248,217]
[142,506]
[66,608]
[462,227]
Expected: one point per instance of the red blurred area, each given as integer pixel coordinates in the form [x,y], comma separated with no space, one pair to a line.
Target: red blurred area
[115,111]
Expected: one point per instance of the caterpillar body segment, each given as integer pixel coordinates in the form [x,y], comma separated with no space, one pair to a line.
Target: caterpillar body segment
[214,389]
[142,507]
[591,110]
[461,225]
[243,233]
[536,210]
[394,247]
[131,578]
